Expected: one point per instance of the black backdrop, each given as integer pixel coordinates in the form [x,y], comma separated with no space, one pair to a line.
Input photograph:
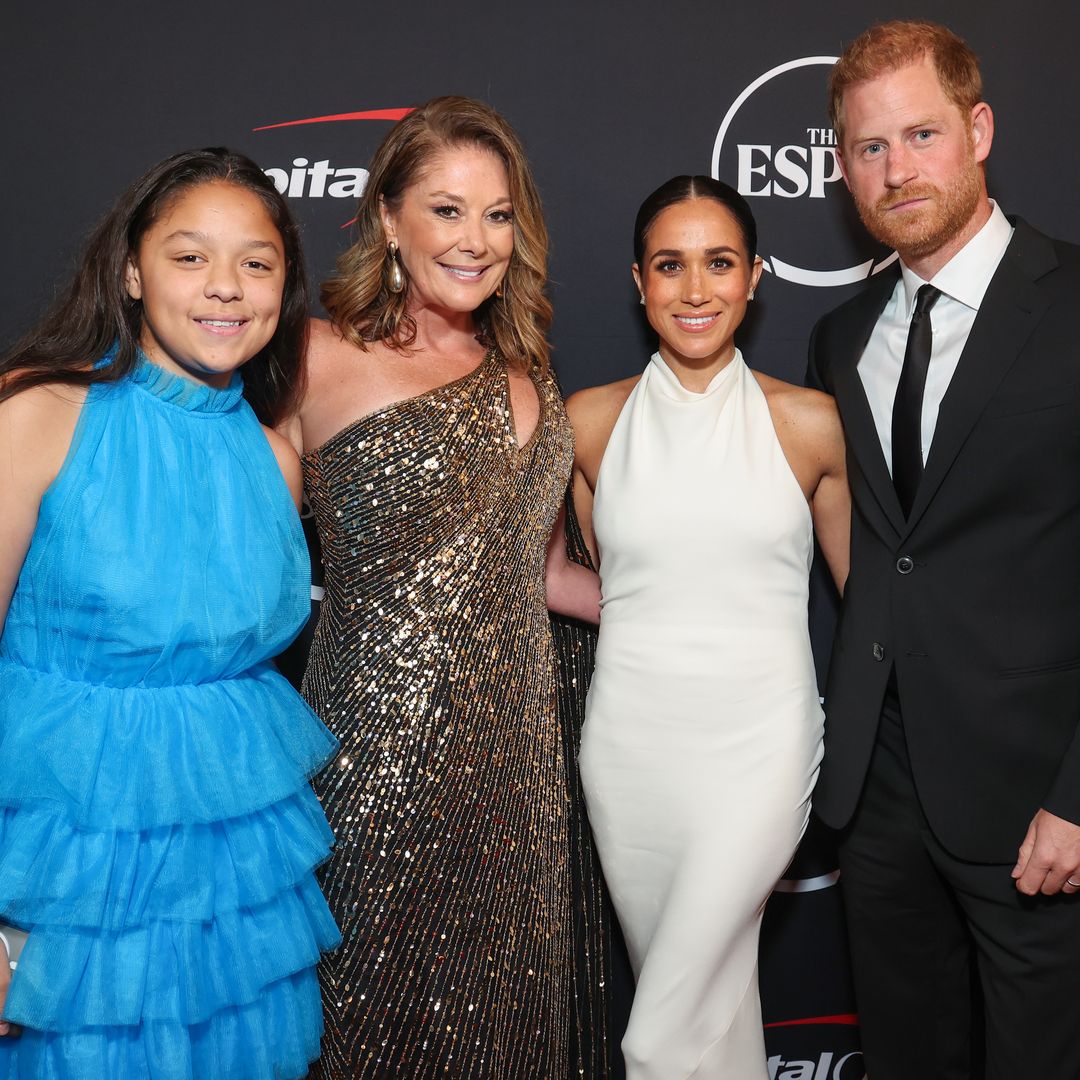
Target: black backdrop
[611,98]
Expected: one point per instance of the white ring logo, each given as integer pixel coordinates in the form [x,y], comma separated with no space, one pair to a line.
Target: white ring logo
[804,885]
[787,271]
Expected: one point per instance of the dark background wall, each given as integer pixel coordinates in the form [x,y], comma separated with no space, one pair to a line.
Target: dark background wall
[611,98]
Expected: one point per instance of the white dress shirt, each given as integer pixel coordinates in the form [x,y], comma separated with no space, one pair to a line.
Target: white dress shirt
[963,281]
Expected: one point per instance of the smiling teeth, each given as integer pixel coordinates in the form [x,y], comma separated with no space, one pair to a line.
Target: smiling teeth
[695,320]
[221,322]
[464,273]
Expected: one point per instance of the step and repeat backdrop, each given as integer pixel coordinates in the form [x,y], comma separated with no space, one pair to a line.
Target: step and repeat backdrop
[611,99]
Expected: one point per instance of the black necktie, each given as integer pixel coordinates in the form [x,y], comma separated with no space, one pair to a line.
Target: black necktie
[907,407]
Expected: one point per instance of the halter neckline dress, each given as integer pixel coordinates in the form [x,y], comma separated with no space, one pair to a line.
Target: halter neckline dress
[703,729]
[158,834]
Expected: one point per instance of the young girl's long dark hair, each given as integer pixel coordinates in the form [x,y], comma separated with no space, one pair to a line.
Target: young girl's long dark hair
[95,312]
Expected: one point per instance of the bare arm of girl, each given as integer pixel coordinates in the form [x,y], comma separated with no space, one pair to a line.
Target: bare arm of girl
[289,462]
[36,427]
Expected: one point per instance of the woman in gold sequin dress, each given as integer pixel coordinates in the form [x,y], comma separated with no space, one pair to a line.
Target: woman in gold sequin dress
[436,454]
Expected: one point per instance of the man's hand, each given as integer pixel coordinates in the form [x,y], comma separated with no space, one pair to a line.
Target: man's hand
[1049,856]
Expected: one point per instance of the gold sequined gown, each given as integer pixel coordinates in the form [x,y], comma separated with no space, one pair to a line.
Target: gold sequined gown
[432,663]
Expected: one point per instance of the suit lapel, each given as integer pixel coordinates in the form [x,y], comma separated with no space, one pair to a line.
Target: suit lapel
[859,428]
[1010,311]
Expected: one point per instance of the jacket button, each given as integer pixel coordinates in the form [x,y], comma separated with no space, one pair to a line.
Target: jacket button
[879,651]
[905,564]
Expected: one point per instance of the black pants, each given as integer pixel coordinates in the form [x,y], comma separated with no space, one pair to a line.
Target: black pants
[925,926]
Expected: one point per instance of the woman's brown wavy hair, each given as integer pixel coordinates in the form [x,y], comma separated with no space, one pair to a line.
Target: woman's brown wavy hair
[357,299]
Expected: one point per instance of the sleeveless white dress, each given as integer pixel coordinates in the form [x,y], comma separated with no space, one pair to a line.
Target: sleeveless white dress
[702,735]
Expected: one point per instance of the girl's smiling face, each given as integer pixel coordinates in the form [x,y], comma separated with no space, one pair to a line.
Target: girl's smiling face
[209,272]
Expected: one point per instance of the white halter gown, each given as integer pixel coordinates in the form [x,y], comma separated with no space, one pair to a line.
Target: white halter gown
[702,735]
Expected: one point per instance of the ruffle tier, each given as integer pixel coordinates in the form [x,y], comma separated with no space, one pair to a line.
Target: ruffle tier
[172,972]
[135,758]
[54,875]
[277,1037]
[160,845]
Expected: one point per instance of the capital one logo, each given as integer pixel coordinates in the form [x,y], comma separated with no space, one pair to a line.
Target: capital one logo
[310,177]
[826,1066]
[796,1063]
[773,148]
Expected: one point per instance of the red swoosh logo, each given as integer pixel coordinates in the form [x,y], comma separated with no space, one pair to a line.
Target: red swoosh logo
[370,114]
[842,1018]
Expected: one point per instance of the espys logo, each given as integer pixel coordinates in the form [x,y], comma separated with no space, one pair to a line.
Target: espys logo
[808,884]
[307,179]
[771,146]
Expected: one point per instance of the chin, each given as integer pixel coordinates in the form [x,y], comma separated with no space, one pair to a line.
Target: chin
[456,302]
[695,348]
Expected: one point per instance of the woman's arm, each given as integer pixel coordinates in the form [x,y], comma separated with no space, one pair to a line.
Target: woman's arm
[811,436]
[572,589]
[831,501]
[832,524]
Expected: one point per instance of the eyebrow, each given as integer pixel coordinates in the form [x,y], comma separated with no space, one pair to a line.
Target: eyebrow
[918,125]
[205,238]
[722,250]
[461,198]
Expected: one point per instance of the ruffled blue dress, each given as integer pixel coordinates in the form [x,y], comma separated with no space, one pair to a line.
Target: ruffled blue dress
[157,832]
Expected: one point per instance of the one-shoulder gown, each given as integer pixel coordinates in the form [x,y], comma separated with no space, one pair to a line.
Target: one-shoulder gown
[703,727]
[158,834]
[432,662]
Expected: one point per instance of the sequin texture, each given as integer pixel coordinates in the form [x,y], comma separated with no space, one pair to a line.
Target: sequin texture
[432,663]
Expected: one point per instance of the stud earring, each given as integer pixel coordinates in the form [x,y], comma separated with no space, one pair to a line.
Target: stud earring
[395,277]
[642,300]
[751,295]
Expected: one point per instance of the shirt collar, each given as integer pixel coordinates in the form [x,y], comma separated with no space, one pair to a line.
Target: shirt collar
[966,276]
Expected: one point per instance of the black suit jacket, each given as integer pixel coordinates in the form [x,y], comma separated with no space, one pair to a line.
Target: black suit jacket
[975,598]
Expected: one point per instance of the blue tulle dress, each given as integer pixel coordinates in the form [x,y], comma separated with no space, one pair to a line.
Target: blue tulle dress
[157,832]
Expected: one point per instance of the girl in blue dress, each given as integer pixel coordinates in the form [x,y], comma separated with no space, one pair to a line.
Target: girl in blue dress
[157,832]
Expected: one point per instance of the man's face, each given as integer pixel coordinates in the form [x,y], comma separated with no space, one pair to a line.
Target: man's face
[911,159]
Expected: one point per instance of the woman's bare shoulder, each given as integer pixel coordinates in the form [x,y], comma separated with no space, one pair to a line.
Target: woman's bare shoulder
[323,332]
[596,405]
[799,403]
[806,421]
[325,342]
[593,414]
[331,355]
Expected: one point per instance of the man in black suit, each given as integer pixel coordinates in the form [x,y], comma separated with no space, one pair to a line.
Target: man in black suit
[953,698]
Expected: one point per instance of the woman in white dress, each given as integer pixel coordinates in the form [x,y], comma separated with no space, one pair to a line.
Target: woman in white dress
[702,735]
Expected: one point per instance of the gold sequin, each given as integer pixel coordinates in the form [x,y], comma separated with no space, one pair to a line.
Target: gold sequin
[432,663]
